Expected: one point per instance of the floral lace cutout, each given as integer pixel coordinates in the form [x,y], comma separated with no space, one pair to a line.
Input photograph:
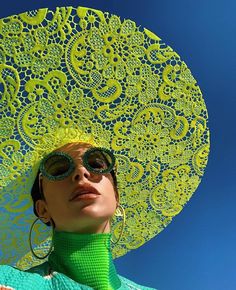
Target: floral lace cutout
[81,74]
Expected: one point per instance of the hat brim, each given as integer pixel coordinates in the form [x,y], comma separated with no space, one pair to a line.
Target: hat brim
[84,75]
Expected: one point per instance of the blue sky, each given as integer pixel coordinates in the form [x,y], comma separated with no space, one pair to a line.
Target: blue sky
[197,250]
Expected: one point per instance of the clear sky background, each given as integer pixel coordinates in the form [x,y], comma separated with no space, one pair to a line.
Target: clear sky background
[197,251]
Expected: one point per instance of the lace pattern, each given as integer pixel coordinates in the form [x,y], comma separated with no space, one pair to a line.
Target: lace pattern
[81,74]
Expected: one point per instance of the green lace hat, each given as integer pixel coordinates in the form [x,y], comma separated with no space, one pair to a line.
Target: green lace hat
[79,74]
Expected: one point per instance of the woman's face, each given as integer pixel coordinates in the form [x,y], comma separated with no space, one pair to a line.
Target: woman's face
[70,209]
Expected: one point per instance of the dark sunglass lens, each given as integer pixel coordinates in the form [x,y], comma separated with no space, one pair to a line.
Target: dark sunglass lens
[99,160]
[57,165]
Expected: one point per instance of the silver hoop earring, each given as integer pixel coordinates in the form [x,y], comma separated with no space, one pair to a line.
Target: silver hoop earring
[120,212]
[30,236]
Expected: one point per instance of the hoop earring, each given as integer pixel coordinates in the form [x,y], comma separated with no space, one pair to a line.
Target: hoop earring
[120,212]
[31,248]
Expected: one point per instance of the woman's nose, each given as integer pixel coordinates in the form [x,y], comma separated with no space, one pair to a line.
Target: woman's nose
[80,172]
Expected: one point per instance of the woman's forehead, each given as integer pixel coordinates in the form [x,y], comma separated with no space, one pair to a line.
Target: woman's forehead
[74,149]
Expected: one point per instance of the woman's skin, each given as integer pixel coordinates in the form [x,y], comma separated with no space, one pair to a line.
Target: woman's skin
[90,215]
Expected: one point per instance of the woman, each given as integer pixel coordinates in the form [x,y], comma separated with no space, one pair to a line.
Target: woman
[78,199]
[76,78]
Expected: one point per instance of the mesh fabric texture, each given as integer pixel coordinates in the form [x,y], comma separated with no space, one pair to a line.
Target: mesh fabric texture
[85,258]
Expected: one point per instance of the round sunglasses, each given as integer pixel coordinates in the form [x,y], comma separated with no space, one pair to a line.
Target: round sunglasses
[59,165]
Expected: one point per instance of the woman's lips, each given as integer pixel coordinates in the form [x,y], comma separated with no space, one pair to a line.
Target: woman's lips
[84,192]
[88,195]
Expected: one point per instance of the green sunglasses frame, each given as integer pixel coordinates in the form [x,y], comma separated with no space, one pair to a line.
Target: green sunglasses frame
[85,159]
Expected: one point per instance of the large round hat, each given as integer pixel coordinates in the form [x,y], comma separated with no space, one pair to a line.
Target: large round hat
[79,74]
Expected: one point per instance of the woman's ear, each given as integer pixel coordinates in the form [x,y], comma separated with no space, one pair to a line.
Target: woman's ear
[42,210]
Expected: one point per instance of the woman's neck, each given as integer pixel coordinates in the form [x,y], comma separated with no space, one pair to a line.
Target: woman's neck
[85,258]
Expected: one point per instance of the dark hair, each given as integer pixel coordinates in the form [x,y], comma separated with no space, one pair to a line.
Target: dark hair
[36,194]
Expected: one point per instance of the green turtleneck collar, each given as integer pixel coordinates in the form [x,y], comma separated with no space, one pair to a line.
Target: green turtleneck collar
[85,258]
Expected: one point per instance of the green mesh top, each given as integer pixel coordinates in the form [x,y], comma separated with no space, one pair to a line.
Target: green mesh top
[78,261]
